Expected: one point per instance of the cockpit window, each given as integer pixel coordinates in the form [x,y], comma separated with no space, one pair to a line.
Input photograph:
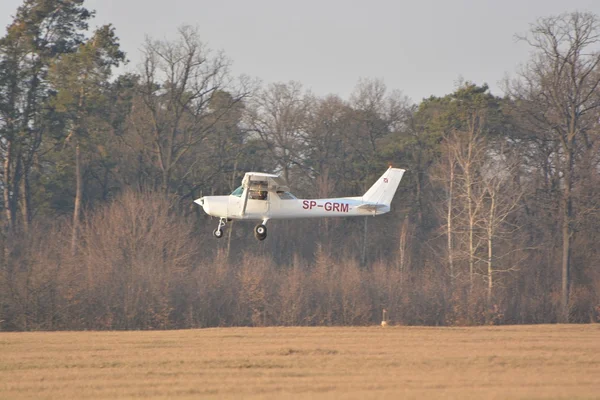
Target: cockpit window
[286,196]
[257,194]
[238,192]
[258,191]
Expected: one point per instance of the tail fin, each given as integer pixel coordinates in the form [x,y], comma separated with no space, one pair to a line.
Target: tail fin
[382,192]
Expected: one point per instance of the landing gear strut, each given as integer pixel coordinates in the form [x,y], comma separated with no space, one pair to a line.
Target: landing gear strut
[218,233]
[260,231]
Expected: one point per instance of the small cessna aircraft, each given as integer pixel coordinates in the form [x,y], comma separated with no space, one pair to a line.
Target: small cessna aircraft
[266,196]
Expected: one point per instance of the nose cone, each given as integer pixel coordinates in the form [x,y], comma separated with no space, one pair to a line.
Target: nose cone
[202,202]
[214,205]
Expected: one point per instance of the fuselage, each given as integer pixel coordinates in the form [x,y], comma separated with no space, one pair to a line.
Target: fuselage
[274,207]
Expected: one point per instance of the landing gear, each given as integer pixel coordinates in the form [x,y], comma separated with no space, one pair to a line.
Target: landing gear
[218,233]
[260,231]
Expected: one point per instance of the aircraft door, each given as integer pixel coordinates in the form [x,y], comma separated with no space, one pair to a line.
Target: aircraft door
[258,200]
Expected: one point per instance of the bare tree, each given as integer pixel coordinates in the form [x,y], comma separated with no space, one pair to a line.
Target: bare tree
[376,112]
[136,251]
[444,174]
[327,144]
[278,115]
[559,92]
[501,199]
[468,151]
[172,113]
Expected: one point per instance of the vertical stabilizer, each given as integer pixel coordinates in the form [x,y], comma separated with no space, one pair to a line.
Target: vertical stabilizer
[382,192]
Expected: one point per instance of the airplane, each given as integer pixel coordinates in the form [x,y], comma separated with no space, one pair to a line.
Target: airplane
[265,196]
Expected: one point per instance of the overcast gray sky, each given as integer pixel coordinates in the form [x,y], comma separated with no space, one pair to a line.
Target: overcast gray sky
[421,47]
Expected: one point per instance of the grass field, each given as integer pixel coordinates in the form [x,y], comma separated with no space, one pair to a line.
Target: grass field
[544,361]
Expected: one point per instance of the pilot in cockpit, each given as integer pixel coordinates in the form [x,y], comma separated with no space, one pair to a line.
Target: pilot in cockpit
[258,192]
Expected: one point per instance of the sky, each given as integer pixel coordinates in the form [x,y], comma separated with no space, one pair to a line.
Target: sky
[420,47]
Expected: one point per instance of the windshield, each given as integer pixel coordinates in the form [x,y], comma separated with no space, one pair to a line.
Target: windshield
[238,192]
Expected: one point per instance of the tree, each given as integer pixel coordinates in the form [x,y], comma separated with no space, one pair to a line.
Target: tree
[327,146]
[376,114]
[80,79]
[501,198]
[40,31]
[217,164]
[172,112]
[279,115]
[558,93]
[469,150]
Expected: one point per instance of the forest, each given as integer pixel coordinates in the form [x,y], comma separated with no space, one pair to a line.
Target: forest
[496,221]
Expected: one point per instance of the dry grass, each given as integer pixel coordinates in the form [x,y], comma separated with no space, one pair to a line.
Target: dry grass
[546,361]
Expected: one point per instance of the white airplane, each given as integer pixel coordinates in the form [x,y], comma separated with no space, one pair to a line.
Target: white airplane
[266,196]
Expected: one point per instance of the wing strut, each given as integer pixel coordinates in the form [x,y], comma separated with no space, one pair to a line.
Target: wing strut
[246,184]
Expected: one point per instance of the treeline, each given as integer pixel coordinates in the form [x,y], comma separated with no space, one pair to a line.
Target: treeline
[141,267]
[496,221]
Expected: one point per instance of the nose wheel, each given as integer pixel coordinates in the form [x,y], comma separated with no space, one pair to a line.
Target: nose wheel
[260,232]
[218,233]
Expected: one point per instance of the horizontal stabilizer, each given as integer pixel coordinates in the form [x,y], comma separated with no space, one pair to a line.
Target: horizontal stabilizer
[372,207]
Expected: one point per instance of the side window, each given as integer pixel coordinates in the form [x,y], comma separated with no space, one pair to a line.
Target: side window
[258,194]
[258,191]
[286,196]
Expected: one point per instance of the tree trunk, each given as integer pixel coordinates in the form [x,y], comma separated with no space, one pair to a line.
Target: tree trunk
[25,201]
[164,185]
[418,198]
[7,187]
[449,224]
[78,195]
[402,256]
[11,183]
[566,236]
[490,272]
[471,217]
[363,258]
[229,240]
[28,158]
[490,235]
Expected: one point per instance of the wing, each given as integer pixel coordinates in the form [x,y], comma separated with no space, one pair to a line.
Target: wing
[274,182]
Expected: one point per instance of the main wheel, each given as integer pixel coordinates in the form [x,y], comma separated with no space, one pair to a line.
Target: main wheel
[260,232]
[218,233]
